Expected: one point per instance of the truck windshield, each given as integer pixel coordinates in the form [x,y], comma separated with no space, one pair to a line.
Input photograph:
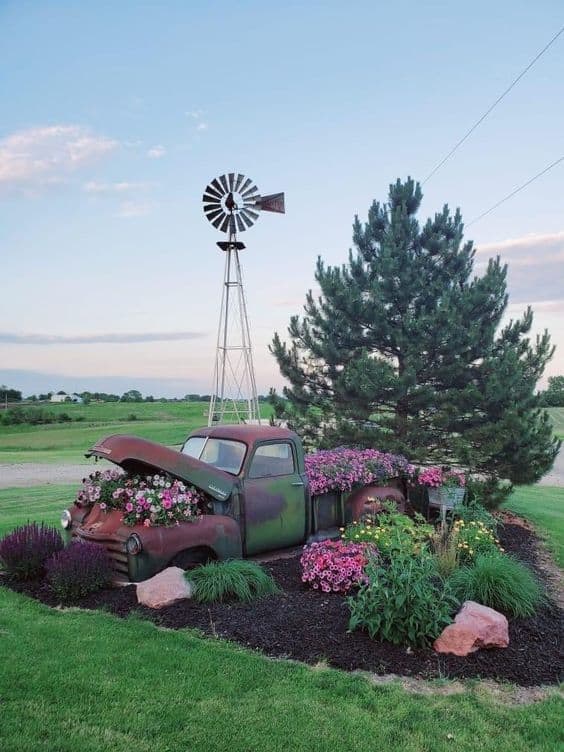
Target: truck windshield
[221,453]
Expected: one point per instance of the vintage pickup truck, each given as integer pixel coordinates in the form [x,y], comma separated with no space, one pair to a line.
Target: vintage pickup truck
[257,500]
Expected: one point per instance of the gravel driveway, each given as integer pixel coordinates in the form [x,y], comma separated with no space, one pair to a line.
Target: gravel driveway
[35,474]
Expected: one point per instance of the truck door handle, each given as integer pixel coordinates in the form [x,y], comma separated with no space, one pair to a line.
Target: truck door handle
[297,483]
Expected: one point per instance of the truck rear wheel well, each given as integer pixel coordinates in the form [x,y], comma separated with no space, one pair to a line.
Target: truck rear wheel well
[193,557]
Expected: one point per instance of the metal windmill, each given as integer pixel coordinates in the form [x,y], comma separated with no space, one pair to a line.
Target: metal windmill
[232,204]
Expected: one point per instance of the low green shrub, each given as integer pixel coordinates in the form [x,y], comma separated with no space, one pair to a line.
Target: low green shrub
[475,512]
[489,491]
[500,582]
[474,539]
[391,532]
[405,601]
[234,579]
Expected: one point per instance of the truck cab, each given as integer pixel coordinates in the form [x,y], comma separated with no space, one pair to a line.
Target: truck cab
[272,483]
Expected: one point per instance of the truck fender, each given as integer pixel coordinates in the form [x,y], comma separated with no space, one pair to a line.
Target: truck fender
[368,500]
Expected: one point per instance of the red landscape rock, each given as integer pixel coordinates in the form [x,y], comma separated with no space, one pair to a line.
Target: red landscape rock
[165,588]
[475,626]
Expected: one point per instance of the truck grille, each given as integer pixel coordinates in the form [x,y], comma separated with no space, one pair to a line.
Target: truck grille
[115,549]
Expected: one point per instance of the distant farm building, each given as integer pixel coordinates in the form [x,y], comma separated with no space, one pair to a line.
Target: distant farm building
[64,397]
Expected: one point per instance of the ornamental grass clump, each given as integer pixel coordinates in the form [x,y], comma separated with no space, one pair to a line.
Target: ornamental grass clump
[404,601]
[78,570]
[335,566]
[444,544]
[24,551]
[231,580]
[500,582]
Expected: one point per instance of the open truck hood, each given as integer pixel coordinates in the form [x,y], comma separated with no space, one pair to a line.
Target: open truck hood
[137,455]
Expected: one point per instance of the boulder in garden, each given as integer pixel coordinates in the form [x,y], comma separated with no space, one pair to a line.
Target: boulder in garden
[475,626]
[165,588]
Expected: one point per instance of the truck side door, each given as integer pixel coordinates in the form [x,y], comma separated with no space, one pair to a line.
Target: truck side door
[274,498]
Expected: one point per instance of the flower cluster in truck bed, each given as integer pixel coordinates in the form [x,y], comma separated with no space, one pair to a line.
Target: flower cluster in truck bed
[341,469]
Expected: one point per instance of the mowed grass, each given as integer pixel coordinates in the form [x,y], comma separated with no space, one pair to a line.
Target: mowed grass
[557,418]
[35,504]
[544,507]
[96,682]
[167,423]
[76,681]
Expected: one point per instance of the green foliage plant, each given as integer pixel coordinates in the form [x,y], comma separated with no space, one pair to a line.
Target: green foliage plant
[489,492]
[500,582]
[231,580]
[391,532]
[405,601]
[473,539]
[475,512]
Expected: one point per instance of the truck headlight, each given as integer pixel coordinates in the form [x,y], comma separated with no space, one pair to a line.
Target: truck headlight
[66,519]
[133,545]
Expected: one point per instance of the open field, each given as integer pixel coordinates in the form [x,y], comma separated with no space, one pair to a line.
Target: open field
[168,423]
[544,507]
[98,682]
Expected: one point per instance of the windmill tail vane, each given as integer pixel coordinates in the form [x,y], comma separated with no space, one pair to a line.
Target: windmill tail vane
[232,203]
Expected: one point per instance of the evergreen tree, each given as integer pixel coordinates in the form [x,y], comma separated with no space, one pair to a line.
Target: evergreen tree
[403,350]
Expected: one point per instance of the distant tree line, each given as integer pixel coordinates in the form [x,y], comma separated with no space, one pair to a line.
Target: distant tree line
[553,396]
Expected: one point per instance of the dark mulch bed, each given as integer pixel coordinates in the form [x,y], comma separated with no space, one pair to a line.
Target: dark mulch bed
[309,626]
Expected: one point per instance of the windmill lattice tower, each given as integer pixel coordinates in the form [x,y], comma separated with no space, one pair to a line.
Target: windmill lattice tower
[232,204]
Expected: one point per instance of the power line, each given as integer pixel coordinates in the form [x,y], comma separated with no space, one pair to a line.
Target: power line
[497,101]
[503,200]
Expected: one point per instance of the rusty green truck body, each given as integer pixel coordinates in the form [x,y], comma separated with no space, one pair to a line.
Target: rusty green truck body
[258,500]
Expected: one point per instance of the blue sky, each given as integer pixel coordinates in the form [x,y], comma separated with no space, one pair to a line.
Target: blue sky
[114,117]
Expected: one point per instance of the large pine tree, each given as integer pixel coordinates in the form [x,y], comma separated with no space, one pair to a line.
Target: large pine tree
[404,350]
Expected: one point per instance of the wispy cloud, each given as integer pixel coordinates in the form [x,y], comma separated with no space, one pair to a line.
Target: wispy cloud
[535,263]
[12,338]
[524,242]
[99,188]
[132,209]
[156,152]
[35,157]
[198,117]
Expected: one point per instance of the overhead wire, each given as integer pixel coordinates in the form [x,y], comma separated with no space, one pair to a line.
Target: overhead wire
[493,106]
[517,190]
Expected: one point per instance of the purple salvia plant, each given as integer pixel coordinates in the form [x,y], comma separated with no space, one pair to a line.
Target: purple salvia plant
[24,551]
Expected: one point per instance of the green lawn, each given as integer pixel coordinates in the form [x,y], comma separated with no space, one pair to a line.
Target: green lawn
[544,506]
[167,423]
[40,503]
[89,682]
[97,683]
